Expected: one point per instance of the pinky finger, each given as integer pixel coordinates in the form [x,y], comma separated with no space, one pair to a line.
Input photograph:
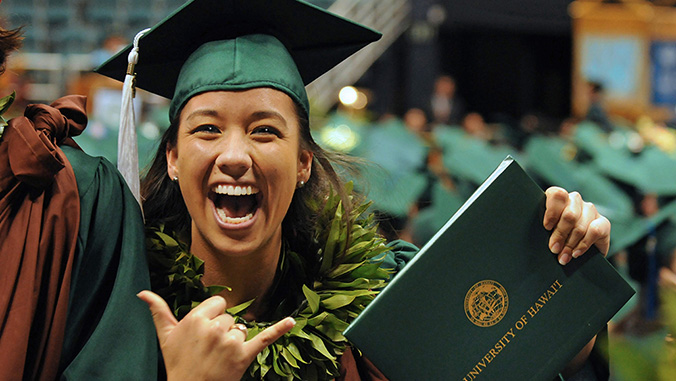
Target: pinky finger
[598,233]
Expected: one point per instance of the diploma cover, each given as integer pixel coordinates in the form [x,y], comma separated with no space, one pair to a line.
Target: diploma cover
[485,299]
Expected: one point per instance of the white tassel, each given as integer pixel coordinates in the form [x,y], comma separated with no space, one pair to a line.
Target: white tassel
[127,148]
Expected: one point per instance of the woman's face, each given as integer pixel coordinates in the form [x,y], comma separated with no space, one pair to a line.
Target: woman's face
[238,160]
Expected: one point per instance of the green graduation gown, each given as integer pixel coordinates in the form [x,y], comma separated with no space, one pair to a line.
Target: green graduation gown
[109,331]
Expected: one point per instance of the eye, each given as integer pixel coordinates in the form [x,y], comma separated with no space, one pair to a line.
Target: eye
[206,128]
[266,130]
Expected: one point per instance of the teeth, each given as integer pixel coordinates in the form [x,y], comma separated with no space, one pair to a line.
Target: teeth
[231,190]
[233,220]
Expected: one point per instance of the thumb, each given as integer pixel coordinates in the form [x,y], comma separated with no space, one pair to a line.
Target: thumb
[162,317]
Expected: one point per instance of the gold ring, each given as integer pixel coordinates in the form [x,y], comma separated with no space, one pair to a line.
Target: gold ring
[240,327]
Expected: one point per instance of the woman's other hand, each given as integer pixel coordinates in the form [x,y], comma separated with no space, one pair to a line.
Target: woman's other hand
[576,225]
[205,345]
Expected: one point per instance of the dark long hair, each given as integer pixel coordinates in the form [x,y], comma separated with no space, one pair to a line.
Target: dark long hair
[163,202]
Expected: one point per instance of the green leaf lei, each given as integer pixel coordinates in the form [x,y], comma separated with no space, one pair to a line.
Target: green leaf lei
[346,282]
[5,103]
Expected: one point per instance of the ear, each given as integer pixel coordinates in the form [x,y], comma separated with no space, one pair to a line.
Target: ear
[304,165]
[171,154]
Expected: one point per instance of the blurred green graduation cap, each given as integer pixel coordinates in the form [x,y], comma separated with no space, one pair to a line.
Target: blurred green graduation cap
[590,137]
[445,203]
[392,194]
[649,171]
[393,177]
[612,157]
[547,159]
[470,158]
[208,45]
[393,146]
[626,233]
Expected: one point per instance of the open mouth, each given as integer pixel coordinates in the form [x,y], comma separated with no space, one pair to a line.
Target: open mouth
[234,204]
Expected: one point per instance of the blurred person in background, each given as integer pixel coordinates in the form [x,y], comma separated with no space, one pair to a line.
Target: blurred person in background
[474,125]
[446,106]
[650,262]
[416,121]
[90,83]
[596,112]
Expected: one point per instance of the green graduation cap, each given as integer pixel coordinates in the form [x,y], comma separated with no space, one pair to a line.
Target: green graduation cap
[393,176]
[445,203]
[470,158]
[546,157]
[208,45]
[650,171]
[628,232]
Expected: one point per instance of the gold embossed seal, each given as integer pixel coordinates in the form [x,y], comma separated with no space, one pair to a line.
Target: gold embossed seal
[486,303]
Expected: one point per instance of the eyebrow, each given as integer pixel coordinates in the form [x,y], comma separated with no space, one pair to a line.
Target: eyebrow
[202,112]
[258,115]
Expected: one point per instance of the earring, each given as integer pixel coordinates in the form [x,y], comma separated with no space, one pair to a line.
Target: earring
[300,184]
[175,179]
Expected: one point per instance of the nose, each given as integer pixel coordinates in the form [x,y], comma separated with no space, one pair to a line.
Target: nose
[234,158]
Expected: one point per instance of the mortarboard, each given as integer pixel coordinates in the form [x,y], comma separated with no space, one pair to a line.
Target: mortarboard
[394,177]
[469,158]
[548,160]
[428,221]
[210,45]
[648,171]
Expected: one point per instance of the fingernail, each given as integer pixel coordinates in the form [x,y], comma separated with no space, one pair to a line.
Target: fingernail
[141,299]
[556,248]
[564,259]
[577,253]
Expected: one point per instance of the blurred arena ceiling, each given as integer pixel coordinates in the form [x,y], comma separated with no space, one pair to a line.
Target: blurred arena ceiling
[536,16]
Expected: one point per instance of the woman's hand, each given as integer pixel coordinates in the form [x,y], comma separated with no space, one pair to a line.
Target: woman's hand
[204,345]
[576,225]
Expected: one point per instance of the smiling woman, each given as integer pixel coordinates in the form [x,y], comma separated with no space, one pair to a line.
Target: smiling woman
[241,203]
[239,183]
[233,141]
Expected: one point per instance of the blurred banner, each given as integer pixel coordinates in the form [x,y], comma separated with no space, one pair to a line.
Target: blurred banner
[630,49]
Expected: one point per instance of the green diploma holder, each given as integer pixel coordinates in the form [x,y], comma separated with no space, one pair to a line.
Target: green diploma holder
[485,299]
